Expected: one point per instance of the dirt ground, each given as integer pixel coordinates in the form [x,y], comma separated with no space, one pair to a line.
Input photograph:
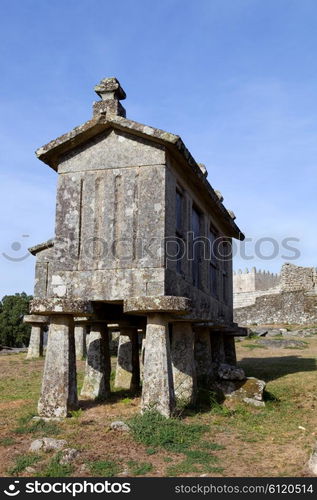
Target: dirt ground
[271,441]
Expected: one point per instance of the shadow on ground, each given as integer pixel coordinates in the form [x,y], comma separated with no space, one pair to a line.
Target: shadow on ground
[273,368]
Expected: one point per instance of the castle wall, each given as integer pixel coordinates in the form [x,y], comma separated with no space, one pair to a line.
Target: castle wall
[293,300]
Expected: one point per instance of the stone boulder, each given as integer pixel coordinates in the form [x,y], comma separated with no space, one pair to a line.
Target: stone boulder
[119,426]
[47,444]
[282,343]
[273,333]
[249,391]
[68,456]
[312,463]
[229,372]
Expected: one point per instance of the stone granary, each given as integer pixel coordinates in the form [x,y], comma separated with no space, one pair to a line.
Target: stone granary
[142,243]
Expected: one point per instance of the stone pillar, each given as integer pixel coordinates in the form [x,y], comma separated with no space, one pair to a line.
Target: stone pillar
[80,337]
[158,389]
[128,366]
[203,359]
[97,373]
[217,348]
[59,385]
[230,350]
[184,370]
[35,349]
[142,357]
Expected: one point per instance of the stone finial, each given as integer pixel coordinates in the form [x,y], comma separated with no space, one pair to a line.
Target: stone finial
[110,88]
[110,92]
[232,214]
[203,169]
[219,194]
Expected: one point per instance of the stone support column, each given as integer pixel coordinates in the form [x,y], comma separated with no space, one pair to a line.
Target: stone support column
[183,361]
[59,385]
[97,372]
[217,348]
[128,365]
[80,337]
[158,388]
[230,350]
[35,349]
[203,358]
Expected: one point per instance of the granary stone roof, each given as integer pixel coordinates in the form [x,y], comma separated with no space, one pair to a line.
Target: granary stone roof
[106,118]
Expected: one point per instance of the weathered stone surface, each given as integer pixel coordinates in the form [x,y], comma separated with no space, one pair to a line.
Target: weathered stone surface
[96,383]
[118,425]
[35,349]
[59,385]
[116,210]
[128,367]
[312,463]
[249,391]
[184,369]
[290,297]
[218,354]
[203,356]
[156,304]
[230,349]
[47,444]
[68,456]
[158,389]
[80,340]
[229,372]
[282,344]
[36,318]
[273,333]
[60,306]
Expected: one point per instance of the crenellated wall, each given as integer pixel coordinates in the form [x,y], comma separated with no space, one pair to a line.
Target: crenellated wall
[292,299]
[249,285]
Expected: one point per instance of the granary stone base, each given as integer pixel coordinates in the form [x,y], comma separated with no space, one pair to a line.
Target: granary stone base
[158,389]
[59,385]
[230,350]
[218,355]
[35,349]
[203,359]
[184,370]
[128,367]
[97,373]
[80,338]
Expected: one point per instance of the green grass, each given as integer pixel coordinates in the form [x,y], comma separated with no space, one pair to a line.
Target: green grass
[104,468]
[156,431]
[29,426]
[150,451]
[7,441]
[139,468]
[22,462]
[255,346]
[55,469]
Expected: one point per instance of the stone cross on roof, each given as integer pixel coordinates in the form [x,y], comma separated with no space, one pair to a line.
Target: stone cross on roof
[111,93]
[110,88]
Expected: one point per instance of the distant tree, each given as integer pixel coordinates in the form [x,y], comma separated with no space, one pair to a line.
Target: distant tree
[13,332]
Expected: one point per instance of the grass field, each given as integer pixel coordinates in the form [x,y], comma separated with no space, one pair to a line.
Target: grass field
[214,441]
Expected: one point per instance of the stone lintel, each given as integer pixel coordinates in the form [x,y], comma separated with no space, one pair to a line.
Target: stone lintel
[83,319]
[56,305]
[157,304]
[35,318]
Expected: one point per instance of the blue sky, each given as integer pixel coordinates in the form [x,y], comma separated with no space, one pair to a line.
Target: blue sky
[235,78]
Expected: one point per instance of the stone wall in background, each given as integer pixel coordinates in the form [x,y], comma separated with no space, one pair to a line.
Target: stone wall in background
[292,300]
